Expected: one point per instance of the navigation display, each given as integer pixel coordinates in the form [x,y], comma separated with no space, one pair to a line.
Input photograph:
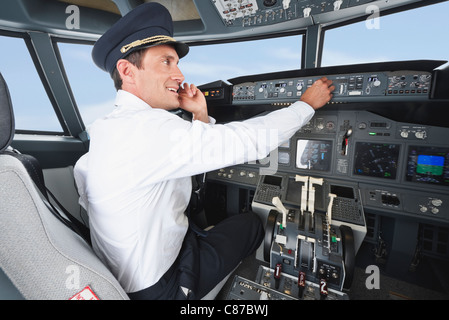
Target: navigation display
[378,160]
[314,155]
[428,165]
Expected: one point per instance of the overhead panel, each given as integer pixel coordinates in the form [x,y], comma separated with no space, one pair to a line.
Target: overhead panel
[248,13]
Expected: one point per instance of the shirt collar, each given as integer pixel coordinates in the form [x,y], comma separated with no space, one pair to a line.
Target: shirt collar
[130,101]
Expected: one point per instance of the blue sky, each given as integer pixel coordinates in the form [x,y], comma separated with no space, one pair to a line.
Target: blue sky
[416,34]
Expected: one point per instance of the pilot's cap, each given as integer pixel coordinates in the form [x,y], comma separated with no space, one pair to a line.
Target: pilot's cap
[148,25]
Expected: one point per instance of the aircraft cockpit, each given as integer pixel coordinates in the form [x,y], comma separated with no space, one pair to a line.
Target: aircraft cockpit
[358,163]
[355,205]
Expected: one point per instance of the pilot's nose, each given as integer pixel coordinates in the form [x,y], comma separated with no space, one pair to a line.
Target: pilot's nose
[177,75]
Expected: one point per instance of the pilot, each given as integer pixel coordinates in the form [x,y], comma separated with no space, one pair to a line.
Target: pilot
[135,181]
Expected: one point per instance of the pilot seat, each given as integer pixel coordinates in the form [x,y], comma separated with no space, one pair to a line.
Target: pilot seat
[41,255]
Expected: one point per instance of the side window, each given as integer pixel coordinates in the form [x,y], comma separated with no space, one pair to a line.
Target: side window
[33,110]
[92,88]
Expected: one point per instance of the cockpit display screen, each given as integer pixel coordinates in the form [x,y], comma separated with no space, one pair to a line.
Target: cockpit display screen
[428,165]
[314,155]
[378,160]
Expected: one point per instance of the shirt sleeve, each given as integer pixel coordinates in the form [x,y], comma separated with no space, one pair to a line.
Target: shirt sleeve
[199,147]
[154,146]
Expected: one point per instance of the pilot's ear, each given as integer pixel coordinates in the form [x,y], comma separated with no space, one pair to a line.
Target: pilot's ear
[126,70]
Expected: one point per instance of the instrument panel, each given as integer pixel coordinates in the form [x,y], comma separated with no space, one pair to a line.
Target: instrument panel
[397,168]
[393,167]
[374,160]
[348,87]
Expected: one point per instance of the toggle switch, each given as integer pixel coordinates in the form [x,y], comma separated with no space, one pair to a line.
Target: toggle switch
[277,275]
[323,289]
[301,284]
[345,142]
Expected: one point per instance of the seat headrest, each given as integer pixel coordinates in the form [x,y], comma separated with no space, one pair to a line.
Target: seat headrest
[6,116]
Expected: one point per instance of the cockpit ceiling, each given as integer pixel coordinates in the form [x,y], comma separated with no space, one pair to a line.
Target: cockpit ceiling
[194,20]
[103,5]
[181,10]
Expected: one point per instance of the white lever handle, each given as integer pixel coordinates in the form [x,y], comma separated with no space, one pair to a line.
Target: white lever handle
[329,207]
[278,204]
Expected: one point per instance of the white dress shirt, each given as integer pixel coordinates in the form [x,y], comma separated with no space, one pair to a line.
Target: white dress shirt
[135,181]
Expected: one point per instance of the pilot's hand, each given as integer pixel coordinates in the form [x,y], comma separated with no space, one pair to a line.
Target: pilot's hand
[319,93]
[192,99]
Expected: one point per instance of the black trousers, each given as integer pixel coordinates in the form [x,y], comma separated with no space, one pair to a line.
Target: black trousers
[204,261]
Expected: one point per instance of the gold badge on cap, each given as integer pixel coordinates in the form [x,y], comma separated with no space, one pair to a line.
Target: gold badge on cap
[153,40]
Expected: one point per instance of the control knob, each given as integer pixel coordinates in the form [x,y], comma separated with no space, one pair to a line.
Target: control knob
[306,12]
[437,202]
[423,209]
[337,5]
[286,4]
[404,134]
[420,134]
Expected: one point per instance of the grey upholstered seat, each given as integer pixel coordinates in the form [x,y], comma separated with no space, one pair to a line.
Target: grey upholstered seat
[41,256]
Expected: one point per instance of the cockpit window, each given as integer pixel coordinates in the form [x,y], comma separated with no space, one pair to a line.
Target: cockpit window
[93,89]
[33,110]
[209,63]
[409,35]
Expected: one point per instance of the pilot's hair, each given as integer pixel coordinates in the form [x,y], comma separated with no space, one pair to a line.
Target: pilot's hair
[136,59]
